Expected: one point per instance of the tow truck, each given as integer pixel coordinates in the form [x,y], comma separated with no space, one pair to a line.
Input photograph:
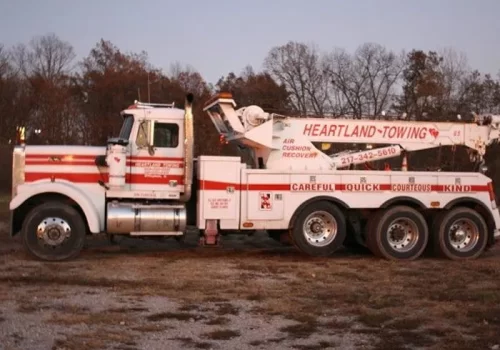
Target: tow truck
[146,183]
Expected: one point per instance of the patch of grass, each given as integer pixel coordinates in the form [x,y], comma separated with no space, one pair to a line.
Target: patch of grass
[89,318]
[385,301]
[406,324]
[334,324]
[222,334]
[374,319]
[461,294]
[190,307]
[28,308]
[215,299]
[256,342]
[179,316]
[277,340]
[489,315]
[218,321]
[193,344]
[227,309]
[151,328]
[319,346]
[301,330]
[128,309]
[99,339]
[256,297]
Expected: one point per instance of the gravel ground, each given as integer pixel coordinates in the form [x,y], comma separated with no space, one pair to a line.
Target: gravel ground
[251,293]
[148,323]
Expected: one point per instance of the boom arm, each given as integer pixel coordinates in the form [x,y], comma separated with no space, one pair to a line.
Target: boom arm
[267,133]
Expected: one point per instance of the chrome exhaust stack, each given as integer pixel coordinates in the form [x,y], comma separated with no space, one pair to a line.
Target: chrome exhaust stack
[188,148]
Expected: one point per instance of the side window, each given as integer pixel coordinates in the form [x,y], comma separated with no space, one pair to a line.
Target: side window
[166,135]
[142,135]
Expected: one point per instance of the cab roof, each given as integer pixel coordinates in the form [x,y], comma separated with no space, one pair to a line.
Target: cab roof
[154,111]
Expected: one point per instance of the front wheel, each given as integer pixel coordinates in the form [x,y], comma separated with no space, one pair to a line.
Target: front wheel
[320,229]
[460,234]
[53,231]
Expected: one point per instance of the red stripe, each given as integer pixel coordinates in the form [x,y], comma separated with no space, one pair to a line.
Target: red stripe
[222,186]
[156,158]
[140,179]
[93,156]
[205,184]
[137,179]
[73,156]
[73,177]
[58,163]
[86,163]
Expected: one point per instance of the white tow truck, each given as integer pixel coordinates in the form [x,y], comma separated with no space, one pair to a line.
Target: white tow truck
[146,183]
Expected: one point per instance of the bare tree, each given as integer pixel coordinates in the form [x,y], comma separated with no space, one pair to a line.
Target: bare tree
[47,57]
[4,61]
[454,71]
[365,79]
[298,66]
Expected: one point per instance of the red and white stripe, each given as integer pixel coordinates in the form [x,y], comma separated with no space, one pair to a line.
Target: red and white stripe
[81,168]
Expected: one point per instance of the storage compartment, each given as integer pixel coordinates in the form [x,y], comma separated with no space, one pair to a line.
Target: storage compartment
[219,190]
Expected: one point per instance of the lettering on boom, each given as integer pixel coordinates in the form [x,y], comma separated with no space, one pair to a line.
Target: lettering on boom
[290,150]
[369,131]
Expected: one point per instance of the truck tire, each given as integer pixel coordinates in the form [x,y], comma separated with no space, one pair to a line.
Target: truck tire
[460,234]
[319,229]
[397,233]
[53,231]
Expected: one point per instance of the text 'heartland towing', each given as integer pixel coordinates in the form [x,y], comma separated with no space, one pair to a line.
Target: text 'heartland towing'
[146,183]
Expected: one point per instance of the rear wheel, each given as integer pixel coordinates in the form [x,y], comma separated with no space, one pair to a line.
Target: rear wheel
[460,234]
[398,233]
[53,231]
[320,229]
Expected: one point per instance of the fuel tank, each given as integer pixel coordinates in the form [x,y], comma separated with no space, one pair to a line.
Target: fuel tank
[146,219]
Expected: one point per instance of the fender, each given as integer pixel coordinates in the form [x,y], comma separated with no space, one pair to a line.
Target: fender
[67,189]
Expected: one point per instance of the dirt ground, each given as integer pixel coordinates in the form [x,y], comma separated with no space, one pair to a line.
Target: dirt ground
[250,294]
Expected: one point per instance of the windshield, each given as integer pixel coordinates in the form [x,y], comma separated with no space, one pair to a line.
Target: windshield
[128,122]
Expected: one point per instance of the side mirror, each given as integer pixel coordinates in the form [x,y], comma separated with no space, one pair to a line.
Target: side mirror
[151,150]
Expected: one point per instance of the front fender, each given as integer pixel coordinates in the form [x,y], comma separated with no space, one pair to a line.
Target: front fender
[68,189]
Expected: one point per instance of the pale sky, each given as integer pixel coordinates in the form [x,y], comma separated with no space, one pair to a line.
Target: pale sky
[219,36]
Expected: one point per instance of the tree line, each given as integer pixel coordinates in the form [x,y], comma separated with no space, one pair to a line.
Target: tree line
[65,101]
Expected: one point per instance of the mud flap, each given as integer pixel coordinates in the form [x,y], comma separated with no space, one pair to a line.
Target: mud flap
[210,236]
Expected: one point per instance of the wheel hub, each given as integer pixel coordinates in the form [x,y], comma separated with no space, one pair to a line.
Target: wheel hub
[53,231]
[316,227]
[402,234]
[463,235]
[320,228]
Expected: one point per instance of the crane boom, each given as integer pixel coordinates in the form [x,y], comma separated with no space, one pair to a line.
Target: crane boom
[286,142]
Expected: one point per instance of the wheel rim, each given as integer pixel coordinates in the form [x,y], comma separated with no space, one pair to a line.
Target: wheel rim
[53,231]
[463,235]
[402,235]
[320,228]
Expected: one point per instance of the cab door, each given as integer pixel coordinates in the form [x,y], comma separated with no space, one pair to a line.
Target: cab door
[157,159]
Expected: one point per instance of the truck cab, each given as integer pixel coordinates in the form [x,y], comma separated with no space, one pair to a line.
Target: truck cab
[147,159]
